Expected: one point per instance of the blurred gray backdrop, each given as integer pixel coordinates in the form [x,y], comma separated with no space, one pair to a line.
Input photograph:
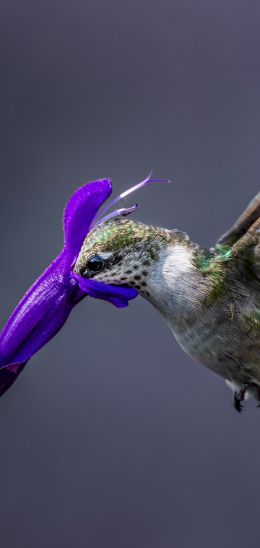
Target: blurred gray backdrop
[112,437]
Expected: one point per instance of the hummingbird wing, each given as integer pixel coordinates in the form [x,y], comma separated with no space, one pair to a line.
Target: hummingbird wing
[244,236]
[243,223]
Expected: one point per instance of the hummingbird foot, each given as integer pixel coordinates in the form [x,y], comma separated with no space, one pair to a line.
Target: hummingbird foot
[239,397]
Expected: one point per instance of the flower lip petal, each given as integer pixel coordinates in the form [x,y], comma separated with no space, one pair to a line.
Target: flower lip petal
[117,295]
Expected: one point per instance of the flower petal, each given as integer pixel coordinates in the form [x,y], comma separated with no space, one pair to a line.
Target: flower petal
[80,212]
[46,306]
[117,295]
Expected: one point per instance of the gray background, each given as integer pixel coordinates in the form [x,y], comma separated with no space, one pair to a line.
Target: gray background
[112,436]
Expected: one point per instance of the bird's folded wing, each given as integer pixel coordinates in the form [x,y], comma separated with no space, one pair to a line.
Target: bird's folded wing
[244,236]
[243,223]
[248,248]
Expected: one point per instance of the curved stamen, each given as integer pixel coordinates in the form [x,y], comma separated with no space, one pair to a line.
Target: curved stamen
[124,211]
[123,195]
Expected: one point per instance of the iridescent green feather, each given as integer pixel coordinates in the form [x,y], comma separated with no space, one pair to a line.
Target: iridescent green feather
[212,264]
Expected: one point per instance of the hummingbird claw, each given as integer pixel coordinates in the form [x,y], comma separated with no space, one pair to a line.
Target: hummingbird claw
[238,402]
[239,397]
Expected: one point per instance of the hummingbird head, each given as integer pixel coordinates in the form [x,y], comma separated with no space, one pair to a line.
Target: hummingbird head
[157,262]
[122,252]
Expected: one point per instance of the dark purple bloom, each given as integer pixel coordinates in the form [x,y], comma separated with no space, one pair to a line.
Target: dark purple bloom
[46,306]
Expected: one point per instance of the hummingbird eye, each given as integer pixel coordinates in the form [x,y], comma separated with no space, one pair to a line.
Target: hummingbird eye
[95,264]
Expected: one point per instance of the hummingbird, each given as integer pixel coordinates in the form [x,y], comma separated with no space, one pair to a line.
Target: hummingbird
[209,298]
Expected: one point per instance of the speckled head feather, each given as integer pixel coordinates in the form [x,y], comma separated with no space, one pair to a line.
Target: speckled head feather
[113,236]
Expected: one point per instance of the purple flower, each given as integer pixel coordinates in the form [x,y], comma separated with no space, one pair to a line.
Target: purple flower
[46,306]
